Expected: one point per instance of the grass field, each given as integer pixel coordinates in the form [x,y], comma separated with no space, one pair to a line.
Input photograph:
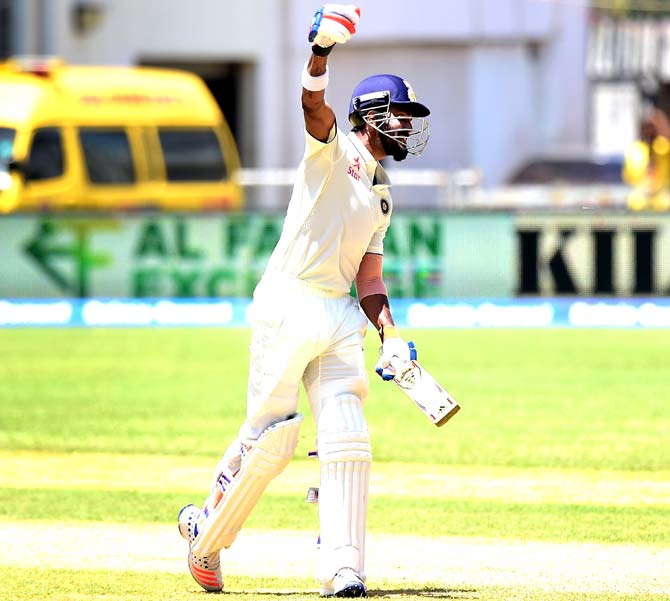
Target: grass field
[553,482]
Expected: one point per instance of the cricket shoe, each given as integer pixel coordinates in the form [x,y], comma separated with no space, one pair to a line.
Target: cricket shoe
[346,583]
[206,571]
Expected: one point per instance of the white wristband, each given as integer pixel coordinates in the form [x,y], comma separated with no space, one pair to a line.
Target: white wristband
[314,83]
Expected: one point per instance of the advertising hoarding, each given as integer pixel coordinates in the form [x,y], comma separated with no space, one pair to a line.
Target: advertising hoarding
[183,256]
[431,255]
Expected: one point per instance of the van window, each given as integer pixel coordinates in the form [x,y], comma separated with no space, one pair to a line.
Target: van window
[45,160]
[6,143]
[192,155]
[107,156]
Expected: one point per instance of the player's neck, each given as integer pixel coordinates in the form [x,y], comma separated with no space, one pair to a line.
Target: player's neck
[372,143]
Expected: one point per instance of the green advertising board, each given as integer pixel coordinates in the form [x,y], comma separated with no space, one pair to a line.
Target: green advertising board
[134,256]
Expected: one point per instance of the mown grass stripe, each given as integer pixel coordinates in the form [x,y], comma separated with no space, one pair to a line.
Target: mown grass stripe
[426,516]
[28,469]
[531,398]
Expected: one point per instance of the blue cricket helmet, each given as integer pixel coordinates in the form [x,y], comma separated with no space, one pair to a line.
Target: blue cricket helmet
[380,91]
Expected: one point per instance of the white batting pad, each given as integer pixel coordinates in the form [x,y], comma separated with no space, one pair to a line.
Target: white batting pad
[345,456]
[267,458]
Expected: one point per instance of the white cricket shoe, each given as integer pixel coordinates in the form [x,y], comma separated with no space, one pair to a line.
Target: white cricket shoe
[206,571]
[346,583]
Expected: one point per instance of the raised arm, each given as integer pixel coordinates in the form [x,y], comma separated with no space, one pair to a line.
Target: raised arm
[319,116]
[332,24]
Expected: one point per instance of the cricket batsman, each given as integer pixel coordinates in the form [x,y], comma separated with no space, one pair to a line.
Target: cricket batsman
[306,327]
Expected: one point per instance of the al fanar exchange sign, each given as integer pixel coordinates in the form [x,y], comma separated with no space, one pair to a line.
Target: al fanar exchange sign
[441,255]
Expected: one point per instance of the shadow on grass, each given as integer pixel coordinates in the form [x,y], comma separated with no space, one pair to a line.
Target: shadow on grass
[433,593]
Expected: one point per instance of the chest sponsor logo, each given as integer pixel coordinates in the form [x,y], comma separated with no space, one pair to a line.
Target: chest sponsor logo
[355,169]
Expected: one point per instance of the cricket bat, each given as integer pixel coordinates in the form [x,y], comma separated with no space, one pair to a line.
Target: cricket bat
[431,398]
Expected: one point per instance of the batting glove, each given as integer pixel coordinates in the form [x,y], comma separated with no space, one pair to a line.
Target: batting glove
[395,354]
[334,24]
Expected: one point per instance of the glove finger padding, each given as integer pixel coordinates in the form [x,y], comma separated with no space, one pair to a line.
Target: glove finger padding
[331,33]
[395,353]
[395,370]
[385,373]
[334,24]
[348,11]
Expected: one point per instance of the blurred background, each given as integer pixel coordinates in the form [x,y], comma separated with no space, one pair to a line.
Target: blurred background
[541,199]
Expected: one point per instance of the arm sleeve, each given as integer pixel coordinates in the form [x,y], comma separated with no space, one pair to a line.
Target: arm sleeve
[369,279]
[376,245]
[314,146]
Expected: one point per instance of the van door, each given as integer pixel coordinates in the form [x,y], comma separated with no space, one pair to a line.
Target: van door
[45,185]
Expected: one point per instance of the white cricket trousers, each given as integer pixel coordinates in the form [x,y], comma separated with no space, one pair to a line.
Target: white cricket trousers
[301,333]
[304,334]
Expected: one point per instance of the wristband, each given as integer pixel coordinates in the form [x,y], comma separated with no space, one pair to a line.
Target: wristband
[388,332]
[322,50]
[314,83]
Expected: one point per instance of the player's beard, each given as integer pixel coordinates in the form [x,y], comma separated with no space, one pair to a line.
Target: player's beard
[391,146]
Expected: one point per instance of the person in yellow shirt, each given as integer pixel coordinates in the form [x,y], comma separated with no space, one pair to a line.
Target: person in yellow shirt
[647,165]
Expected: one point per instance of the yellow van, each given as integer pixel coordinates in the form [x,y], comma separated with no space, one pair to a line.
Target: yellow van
[112,138]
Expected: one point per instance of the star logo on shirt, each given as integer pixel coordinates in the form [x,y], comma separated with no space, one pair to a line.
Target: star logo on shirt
[355,169]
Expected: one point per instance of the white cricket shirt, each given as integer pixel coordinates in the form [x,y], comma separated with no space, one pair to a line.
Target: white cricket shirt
[339,210]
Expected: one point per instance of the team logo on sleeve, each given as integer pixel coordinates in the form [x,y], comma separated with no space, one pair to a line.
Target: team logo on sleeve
[355,169]
[385,206]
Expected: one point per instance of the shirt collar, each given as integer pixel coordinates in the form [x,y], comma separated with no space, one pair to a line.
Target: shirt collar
[373,168]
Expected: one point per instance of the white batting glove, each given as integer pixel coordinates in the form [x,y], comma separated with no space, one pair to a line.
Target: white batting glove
[394,355]
[334,24]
